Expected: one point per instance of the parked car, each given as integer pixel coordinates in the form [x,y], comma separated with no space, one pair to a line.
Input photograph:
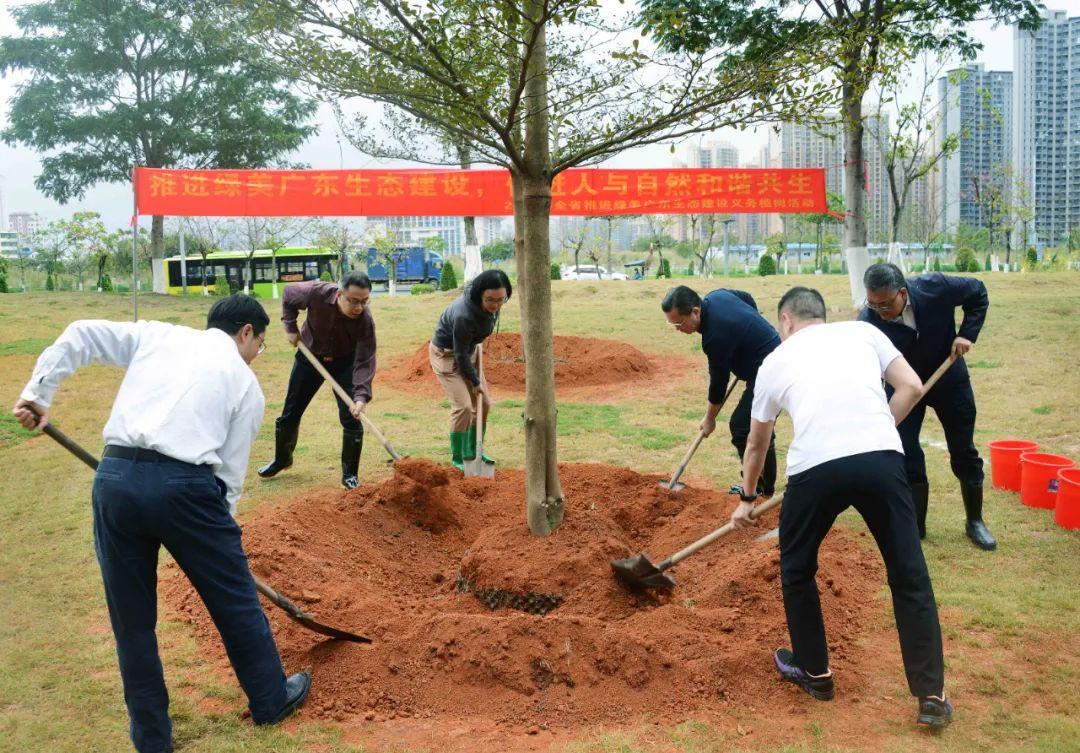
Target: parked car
[589,272]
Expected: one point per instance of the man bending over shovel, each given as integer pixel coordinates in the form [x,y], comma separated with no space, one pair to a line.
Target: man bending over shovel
[735,338]
[176,450]
[846,453]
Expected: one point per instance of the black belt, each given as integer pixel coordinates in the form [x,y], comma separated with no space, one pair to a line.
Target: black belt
[138,454]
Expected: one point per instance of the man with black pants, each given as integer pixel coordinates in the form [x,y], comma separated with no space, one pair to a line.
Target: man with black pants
[846,453]
[917,315]
[735,339]
[340,331]
[176,451]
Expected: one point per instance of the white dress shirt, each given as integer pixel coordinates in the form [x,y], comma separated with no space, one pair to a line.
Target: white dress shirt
[828,378]
[187,393]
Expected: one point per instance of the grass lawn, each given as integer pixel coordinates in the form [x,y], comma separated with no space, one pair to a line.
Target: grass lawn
[1010,617]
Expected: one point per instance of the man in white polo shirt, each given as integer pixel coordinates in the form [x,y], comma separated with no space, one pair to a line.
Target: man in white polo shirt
[846,453]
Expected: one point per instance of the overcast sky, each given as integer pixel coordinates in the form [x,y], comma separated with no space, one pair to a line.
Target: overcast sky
[19,166]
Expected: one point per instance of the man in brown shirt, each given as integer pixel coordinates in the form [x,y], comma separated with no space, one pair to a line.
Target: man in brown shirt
[340,332]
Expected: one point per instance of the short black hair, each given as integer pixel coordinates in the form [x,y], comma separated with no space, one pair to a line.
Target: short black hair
[490,279]
[883,276]
[357,279]
[680,298]
[230,314]
[802,303]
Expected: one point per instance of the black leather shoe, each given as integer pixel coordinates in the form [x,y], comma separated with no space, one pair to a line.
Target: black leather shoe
[934,712]
[920,495]
[976,530]
[284,443]
[351,445]
[297,688]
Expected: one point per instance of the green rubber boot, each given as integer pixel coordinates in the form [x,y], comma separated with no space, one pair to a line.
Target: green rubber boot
[457,443]
[469,447]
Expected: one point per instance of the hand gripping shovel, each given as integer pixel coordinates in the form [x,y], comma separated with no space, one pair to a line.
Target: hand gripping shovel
[294,612]
[674,484]
[348,400]
[639,572]
[478,466]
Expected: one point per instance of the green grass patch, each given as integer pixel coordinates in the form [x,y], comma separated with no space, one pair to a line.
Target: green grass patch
[984,364]
[11,432]
[31,346]
[1043,410]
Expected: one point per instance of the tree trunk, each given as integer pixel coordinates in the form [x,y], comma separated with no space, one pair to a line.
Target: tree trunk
[855,250]
[157,237]
[543,493]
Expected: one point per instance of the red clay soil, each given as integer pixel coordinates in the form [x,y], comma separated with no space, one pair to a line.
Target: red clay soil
[580,362]
[387,559]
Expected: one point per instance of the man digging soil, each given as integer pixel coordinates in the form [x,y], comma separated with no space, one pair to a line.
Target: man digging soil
[340,331]
[846,453]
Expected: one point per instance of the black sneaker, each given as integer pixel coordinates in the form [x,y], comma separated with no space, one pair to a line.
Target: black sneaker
[820,688]
[934,712]
[297,688]
[348,483]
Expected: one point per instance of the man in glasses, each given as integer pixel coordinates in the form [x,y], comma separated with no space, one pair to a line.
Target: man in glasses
[918,316]
[340,331]
[176,452]
[735,339]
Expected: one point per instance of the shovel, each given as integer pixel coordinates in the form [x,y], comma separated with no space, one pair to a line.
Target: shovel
[478,466]
[674,484]
[348,400]
[775,532]
[294,612]
[639,572]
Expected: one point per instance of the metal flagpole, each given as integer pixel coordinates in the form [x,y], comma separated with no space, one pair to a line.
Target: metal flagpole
[183,261]
[134,245]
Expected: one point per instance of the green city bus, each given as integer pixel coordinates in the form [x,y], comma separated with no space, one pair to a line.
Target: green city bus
[293,265]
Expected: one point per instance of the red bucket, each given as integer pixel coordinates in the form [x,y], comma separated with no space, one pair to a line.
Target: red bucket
[1005,461]
[1038,478]
[1067,506]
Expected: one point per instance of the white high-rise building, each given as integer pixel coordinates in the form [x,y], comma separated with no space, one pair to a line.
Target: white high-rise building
[1046,125]
[977,106]
[412,231]
[25,224]
[705,154]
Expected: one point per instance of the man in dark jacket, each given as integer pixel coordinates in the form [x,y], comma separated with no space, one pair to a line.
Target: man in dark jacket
[340,332]
[917,315]
[735,339]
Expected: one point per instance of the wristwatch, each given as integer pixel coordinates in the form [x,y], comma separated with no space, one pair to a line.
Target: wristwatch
[744,497]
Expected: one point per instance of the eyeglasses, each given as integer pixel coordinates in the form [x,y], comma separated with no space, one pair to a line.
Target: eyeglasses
[262,346]
[679,323]
[352,302]
[494,301]
[881,307]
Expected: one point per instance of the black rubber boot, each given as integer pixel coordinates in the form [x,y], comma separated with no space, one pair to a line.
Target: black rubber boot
[976,529]
[284,444]
[920,495]
[351,444]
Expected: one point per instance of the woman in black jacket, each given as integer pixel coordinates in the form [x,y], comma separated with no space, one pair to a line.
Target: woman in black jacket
[453,352]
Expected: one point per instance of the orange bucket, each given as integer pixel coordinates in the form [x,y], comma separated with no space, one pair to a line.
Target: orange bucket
[1005,462]
[1039,478]
[1067,506]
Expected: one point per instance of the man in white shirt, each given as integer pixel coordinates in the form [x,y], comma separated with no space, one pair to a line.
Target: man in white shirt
[176,451]
[846,453]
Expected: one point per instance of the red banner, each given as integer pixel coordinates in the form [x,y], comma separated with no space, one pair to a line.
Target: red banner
[476,193]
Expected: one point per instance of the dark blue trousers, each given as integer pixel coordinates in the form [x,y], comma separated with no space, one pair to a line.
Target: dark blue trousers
[954,404]
[874,483]
[739,425]
[140,506]
[304,382]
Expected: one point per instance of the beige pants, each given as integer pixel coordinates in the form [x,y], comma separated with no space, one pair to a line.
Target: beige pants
[460,391]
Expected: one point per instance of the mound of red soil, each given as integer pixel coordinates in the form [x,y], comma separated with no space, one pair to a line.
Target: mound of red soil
[579,362]
[390,560]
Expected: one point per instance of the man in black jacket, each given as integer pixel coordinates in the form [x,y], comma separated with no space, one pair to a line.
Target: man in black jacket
[917,315]
[735,339]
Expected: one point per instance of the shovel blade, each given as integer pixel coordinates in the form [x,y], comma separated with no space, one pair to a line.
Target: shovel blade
[311,624]
[639,572]
[678,486]
[479,467]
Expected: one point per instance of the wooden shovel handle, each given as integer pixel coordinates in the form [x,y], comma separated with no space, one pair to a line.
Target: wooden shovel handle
[346,398]
[945,365]
[480,405]
[723,530]
[697,440]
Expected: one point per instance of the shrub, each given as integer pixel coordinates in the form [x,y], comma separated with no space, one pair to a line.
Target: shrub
[325,276]
[986,263]
[825,264]
[936,266]
[421,289]
[1031,258]
[556,273]
[964,261]
[448,278]
[664,270]
[221,287]
[105,283]
[690,269]
[49,283]
[767,265]
[3,276]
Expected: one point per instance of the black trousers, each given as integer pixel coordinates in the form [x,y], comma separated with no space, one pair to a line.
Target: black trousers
[304,382]
[739,424]
[954,405]
[874,483]
[140,506]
